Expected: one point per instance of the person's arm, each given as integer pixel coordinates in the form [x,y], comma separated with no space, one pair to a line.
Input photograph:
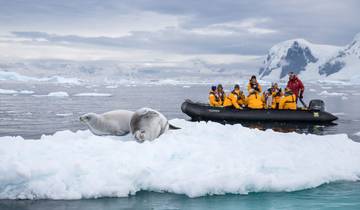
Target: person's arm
[259,87]
[212,100]
[234,102]
[249,87]
[282,103]
[244,99]
[301,89]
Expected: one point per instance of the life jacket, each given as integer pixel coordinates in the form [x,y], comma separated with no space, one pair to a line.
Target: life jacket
[217,99]
[254,101]
[276,97]
[256,87]
[230,101]
[288,101]
[222,96]
[214,99]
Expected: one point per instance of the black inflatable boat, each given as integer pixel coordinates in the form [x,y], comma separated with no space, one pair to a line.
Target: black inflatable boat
[203,112]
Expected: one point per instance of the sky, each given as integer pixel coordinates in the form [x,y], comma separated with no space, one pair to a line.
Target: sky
[169,30]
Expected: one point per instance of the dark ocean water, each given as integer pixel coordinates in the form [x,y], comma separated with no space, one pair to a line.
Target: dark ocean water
[31,115]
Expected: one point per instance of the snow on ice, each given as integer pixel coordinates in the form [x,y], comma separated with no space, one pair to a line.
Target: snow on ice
[200,159]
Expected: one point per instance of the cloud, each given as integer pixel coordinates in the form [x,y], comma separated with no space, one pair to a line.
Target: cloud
[174,40]
[236,27]
[177,27]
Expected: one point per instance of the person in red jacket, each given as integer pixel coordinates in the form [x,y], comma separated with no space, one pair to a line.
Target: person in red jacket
[296,86]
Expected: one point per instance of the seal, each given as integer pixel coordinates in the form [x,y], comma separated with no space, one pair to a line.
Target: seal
[115,122]
[147,124]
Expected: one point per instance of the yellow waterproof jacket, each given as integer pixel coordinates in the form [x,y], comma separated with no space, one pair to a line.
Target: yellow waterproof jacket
[288,102]
[249,87]
[221,96]
[236,99]
[276,99]
[214,100]
[255,101]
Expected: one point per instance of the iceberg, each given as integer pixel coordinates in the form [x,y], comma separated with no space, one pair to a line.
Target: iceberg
[14,76]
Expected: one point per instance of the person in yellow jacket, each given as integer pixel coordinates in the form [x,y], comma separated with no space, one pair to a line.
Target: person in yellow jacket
[235,99]
[288,101]
[267,99]
[221,93]
[254,100]
[276,94]
[254,85]
[214,99]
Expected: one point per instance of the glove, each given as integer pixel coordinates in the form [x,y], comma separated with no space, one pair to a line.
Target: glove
[301,95]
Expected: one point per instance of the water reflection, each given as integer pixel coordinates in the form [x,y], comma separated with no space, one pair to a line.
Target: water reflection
[318,129]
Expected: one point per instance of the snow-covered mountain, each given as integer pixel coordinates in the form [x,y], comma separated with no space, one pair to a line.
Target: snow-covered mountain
[344,65]
[298,56]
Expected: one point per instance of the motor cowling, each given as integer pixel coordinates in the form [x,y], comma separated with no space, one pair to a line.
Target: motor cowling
[317,105]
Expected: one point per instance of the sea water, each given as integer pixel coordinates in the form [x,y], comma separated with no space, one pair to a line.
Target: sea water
[36,109]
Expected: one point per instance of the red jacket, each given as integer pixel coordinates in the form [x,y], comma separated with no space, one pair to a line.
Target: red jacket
[296,86]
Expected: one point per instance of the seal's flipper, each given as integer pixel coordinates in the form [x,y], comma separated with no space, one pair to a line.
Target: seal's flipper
[172,127]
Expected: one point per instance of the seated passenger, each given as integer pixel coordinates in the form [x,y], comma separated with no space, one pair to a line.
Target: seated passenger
[254,100]
[267,99]
[253,84]
[288,101]
[221,93]
[276,95]
[235,99]
[214,99]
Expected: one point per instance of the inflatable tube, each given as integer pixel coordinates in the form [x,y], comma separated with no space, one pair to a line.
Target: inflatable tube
[199,112]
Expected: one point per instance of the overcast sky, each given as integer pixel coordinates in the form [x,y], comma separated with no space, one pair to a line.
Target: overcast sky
[157,29]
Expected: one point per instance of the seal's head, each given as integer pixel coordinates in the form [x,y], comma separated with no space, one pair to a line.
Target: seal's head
[88,118]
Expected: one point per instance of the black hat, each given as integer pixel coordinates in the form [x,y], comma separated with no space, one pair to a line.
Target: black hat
[220,86]
[213,88]
[253,77]
[237,86]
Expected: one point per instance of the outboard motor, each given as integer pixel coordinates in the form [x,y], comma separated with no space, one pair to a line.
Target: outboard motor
[317,105]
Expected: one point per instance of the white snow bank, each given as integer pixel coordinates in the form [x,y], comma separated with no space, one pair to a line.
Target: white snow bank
[6,91]
[14,76]
[200,159]
[326,93]
[94,94]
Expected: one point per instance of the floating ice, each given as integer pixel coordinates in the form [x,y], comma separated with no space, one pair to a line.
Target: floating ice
[10,92]
[94,94]
[111,86]
[59,94]
[26,92]
[326,93]
[64,114]
[200,159]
